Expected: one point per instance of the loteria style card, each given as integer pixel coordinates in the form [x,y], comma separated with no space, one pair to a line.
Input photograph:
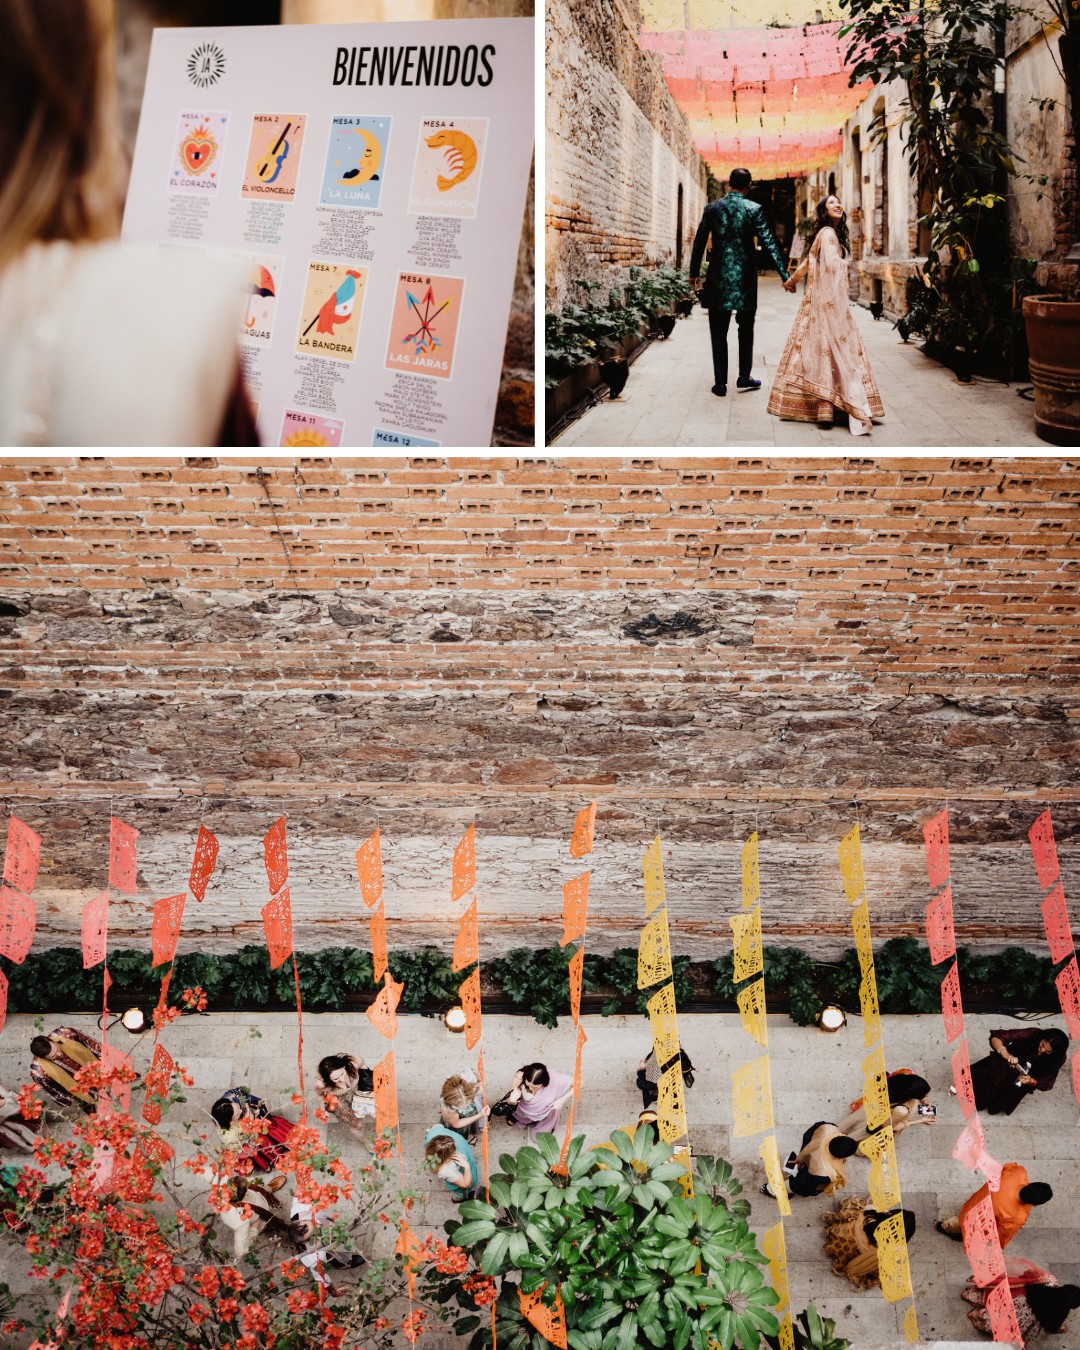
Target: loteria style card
[424,327]
[355,161]
[264,288]
[449,160]
[273,157]
[331,314]
[309,431]
[198,152]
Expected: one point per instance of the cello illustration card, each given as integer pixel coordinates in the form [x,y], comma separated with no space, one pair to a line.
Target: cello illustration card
[198,152]
[263,289]
[449,160]
[330,317]
[273,157]
[355,161]
[423,330]
[309,431]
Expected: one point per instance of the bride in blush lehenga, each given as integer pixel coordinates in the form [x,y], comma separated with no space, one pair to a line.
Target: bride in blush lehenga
[825,366]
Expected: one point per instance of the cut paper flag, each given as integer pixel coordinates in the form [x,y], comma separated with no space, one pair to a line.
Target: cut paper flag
[122,865]
[549,1322]
[1059,936]
[787,1332]
[1076,1075]
[469,993]
[369,869]
[875,1089]
[751,1097]
[893,1259]
[940,936]
[22,856]
[277,925]
[654,953]
[770,1157]
[203,864]
[463,877]
[653,868]
[746,939]
[952,1007]
[971,1144]
[467,942]
[1068,987]
[961,1076]
[911,1326]
[860,928]
[157,1084]
[382,1014]
[751,880]
[18,920]
[663,1024]
[385,1087]
[936,844]
[1043,850]
[851,864]
[379,955]
[410,1249]
[884,1186]
[581,841]
[582,1039]
[95,930]
[1002,1310]
[165,929]
[868,1005]
[671,1104]
[3,999]
[113,1059]
[982,1244]
[772,1246]
[575,969]
[276,856]
[575,897]
[751,1001]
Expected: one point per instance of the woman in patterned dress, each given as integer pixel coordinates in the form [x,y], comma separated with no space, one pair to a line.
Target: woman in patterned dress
[850,1240]
[1040,1302]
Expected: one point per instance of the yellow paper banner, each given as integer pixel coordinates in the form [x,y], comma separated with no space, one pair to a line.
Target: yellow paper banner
[868,1002]
[911,1326]
[671,1105]
[860,927]
[851,868]
[787,1333]
[665,1027]
[653,868]
[751,1094]
[875,1088]
[746,930]
[893,1259]
[654,953]
[681,1154]
[772,1245]
[880,1148]
[751,881]
[751,1001]
[770,1156]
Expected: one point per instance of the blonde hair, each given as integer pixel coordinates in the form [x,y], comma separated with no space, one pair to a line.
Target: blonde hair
[58,109]
[458,1092]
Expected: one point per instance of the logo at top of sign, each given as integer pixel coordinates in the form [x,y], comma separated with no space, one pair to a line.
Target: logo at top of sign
[461,155]
[206,65]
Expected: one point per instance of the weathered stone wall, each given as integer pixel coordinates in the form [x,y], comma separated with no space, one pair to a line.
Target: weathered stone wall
[1037,136]
[702,646]
[618,151]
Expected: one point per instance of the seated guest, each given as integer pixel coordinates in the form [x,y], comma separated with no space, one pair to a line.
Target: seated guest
[58,1057]
[16,1130]
[267,1146]
[349,1086]
[851,1240]
[818,1168]
[909,1104]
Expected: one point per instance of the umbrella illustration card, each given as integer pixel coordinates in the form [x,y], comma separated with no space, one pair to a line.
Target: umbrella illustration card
[198,152]
[273,157]
[330,316]
[355,161]
[424,327]
[309,431]
[260,307]
[449,159]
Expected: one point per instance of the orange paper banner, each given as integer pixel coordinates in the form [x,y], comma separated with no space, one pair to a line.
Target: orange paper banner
[379,955]
[575,969]
[276,856]
[409,1248]
[165,930]
[122,866]
[385,1086]
[203,864]
[277,925]
[463,878]
[157,1084]
[95,930]
[549,1322]
[582,1040]
[18,920]
[22,856]
[382,1014]
[575,906]
[3,999]
[581,842]
[467,942]
[369,869]
[469,993]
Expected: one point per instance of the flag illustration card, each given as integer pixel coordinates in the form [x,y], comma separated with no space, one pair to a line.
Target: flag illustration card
[449,162]
[198,153]
[423,331]
[330,317]
[203,864]
[355,161]
[273,156]
[310,431]
[261,304]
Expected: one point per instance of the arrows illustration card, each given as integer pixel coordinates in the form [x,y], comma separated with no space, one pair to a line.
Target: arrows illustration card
[273,157]
[449,158]
[424,327]
[355,161]
[309,431]
[198,152]
[331,313]
[260,307]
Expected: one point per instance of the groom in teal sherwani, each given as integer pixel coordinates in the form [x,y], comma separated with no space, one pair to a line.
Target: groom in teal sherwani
[731,223]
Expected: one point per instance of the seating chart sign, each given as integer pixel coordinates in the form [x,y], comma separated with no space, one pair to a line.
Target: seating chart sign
[370,181]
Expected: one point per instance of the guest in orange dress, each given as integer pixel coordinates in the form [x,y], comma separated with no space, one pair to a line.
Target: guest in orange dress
[1012,1204]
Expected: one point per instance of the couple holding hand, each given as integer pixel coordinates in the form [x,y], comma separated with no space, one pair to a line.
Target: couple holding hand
[824,366]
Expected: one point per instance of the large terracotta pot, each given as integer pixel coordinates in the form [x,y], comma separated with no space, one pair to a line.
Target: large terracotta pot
[1053,334]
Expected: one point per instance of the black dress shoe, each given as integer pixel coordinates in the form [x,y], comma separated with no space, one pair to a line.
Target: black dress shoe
[748,384]
[720,390]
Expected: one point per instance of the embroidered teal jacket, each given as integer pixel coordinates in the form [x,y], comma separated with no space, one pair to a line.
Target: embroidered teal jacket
[729,226]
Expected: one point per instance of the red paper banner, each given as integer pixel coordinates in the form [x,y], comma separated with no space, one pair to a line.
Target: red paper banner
[3,999]
[467,942]
[464,873]
[122,863]
[165,930]
[936,841]
[991,1170]
[1056,922]
[379,954]
[409,1247]
[369,869]
[22,857]
[1002,1310]
[276,856]
[469,993]
[203,864]
[940,936]
[982,1244]
[95,929]
[549,1322]
[385,1085]
[382,1014]
[575,969]
[971,1144]
[1043,851]
[581,842]
[277,925]
[157,1084]
[1068,987]
[582,1040]
[575,907]
[961,1074]
[952,1009]
[111,1060]
[1076,1076]
[18,919]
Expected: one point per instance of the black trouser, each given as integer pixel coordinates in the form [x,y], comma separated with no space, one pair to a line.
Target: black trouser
[719,321]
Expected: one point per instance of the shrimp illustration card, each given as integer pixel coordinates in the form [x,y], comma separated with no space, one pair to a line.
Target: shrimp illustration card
[423,330]
[273,157]
[449,161]
[260,307]
[309,431]
[330,317]
[198,152]
[355,162]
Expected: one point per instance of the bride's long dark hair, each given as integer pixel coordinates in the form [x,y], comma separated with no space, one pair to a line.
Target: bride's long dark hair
[840,226]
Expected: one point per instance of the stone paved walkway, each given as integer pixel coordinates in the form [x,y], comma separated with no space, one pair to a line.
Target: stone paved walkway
[815,1075]
[668,399]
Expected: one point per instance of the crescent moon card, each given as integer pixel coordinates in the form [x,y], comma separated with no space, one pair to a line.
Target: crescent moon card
[356,160]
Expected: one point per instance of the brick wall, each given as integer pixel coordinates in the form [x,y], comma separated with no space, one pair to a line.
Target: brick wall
[618,150]
[701,645]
